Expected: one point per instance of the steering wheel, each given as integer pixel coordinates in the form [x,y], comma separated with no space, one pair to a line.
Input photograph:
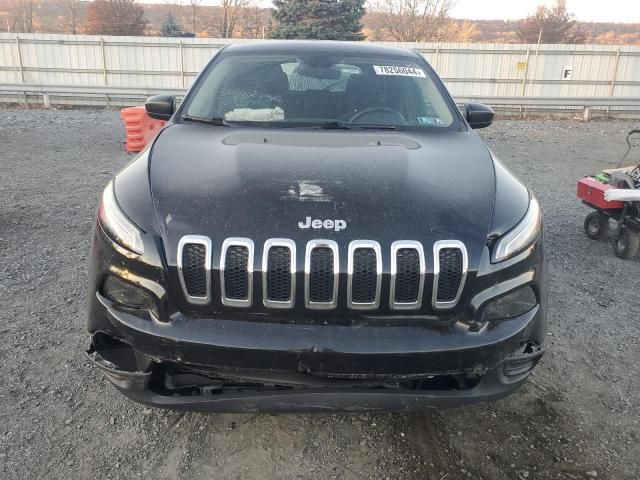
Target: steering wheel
[391,112]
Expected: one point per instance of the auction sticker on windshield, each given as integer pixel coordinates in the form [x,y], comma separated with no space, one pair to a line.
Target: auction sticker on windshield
[402,71]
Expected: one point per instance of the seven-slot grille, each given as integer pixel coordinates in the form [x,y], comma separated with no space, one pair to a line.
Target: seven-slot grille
[321,275]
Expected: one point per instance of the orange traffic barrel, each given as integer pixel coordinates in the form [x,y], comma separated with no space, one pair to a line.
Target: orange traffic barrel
[140,127]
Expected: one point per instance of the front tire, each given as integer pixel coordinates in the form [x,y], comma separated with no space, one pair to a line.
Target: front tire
[627,244]
[596,226]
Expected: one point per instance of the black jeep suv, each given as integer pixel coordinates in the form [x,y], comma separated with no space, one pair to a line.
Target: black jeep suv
[318,227]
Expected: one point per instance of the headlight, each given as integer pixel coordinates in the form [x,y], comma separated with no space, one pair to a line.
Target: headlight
[521,236]
[511,305]
[116,223]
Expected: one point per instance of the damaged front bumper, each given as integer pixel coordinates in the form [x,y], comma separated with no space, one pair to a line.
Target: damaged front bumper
[234,366]
[221,362]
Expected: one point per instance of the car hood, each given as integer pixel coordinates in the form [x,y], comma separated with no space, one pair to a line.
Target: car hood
[260,184]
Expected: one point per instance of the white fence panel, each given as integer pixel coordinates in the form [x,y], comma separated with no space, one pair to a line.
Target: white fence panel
[480,70]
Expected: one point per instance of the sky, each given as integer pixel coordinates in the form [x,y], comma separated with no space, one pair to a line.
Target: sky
[627,11]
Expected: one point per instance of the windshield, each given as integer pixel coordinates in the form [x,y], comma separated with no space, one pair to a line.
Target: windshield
[325,90]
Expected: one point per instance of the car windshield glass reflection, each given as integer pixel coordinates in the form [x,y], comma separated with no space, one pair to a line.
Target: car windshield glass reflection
[323,91]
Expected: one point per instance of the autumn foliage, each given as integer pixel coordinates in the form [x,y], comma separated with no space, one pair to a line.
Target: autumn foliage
[115,17]
[551,25]
[384,20]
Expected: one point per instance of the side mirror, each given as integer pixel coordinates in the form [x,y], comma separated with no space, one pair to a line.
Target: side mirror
[478,115]
[160,107]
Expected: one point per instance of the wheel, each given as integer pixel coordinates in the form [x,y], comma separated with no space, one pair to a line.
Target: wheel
[596,226]
[627,244]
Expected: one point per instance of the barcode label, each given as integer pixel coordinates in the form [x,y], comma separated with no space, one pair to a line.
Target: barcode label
[402,71]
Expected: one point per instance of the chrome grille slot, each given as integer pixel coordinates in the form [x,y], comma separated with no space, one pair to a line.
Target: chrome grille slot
[407,275]
[236,272]
[194,268]
[450,271]
[321,274]
[278,273]
[365,275]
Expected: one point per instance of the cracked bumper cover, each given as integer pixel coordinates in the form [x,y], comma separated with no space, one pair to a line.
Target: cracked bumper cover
[389,352]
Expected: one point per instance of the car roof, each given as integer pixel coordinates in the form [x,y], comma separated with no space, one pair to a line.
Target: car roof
[312,46]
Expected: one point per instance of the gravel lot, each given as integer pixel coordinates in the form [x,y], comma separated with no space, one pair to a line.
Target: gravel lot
[578,417]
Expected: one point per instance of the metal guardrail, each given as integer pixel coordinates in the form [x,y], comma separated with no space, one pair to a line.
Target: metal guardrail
[80,95]
[631,105]
[555,101]
[101,96]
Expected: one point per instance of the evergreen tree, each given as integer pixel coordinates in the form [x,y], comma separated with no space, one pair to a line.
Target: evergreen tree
[170,27]
[318,19]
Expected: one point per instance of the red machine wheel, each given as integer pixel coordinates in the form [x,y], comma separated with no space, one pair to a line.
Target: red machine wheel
[596,226]
[627,244]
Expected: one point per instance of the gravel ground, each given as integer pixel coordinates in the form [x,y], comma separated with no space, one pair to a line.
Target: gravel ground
[59,418]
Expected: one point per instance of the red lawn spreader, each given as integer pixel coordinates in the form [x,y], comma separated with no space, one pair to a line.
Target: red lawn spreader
[615,194]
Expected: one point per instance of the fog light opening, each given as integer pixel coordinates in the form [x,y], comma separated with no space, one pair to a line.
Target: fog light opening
[513,304]
[127,295]
[112,353]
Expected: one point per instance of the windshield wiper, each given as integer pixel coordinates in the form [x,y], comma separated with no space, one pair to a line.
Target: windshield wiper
[219,122]
[376,127]
[336,125]
[340,125]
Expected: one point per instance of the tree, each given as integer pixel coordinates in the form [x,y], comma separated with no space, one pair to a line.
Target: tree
[255,22]
[180,12]
[557,25]
[21,15]
[463,32]
[319,19]
[413,20]
[70,20]
[170,27]
[232,11]
[194,6]
[115,17]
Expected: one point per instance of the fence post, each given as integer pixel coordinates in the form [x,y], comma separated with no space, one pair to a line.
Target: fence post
[104,70]
[20,66]
[104,62]
[181,63]
[526,73]
[614,77]
[524,79]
